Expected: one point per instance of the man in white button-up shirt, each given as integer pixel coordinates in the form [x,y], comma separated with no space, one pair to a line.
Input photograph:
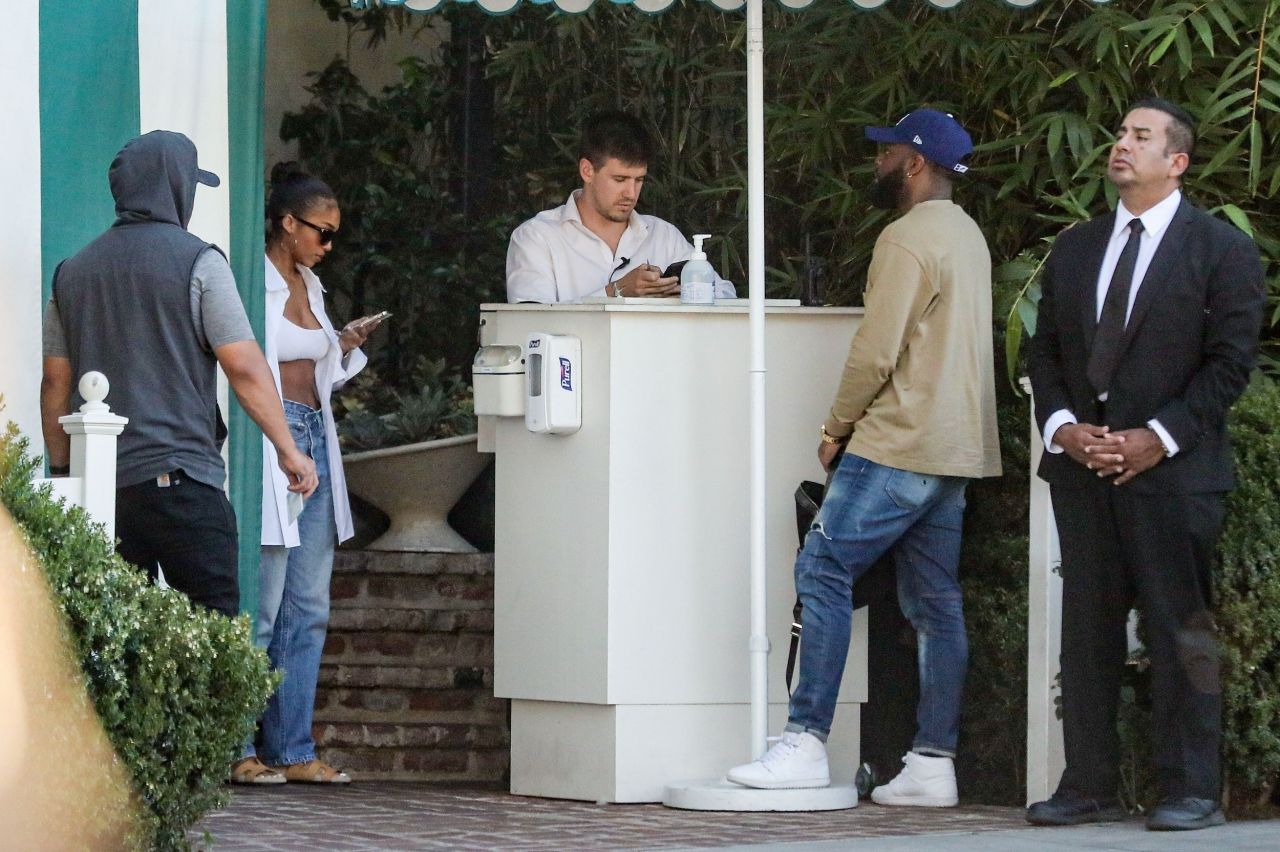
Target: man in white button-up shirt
[596,244]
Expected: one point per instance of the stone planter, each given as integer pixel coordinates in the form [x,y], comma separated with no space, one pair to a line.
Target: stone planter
[417,485]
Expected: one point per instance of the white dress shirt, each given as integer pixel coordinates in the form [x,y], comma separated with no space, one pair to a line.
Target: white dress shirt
[1154,223]
[553,257]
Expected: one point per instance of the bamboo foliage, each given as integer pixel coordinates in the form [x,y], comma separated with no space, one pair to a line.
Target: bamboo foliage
[1041,90]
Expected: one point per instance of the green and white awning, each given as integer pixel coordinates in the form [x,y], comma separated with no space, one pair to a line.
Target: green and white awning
[502,7]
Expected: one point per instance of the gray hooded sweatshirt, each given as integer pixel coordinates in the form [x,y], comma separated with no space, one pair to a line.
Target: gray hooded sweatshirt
[124,302]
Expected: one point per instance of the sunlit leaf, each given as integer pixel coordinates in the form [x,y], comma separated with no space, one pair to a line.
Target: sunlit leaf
[1238,218]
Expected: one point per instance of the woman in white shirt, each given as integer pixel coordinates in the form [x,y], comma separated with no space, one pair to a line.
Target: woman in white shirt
[309,360]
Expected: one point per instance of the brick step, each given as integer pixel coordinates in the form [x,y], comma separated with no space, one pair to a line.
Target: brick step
[406,677]
[409,705]
[436,735]
[411,563]
[350,616]
[425,650]
[406,682]
[487,766]
[445,591]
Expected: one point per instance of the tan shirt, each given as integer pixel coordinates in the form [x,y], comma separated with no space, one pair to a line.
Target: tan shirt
[918,390]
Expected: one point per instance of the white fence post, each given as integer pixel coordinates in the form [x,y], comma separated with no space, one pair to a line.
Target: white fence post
[93,434]
[1045,759]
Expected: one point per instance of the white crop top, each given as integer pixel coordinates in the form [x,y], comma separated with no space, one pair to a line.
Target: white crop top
[295,343]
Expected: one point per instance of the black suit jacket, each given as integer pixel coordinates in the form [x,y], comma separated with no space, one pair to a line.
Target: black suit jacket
[1190,344]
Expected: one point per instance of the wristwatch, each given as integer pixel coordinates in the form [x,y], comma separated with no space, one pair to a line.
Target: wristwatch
[828,438]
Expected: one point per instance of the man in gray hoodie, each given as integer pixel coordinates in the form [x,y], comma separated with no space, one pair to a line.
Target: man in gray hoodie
[155,309]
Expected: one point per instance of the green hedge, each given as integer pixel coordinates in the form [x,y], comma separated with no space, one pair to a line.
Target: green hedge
[1248,604]
[992,761]
[177,688]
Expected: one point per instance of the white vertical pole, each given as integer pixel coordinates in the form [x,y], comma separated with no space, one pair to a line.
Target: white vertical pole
[1044,626]
[759,643]
[722,794]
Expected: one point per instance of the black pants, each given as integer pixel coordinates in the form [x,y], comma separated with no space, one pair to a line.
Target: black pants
[186,528]
[1117,547]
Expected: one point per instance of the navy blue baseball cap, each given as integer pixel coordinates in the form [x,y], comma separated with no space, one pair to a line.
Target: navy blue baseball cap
[936,135]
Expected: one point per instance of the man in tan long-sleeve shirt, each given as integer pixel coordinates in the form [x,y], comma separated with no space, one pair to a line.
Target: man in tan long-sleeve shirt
[916,410]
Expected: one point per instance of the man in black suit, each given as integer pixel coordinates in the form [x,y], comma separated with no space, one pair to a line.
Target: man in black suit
[1147,333]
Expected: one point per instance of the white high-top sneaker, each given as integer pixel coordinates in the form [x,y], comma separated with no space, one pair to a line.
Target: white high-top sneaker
[794,761]
[927,782]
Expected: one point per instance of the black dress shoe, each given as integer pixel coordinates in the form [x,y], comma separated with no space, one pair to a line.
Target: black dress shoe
[1068,808]
[1185,814]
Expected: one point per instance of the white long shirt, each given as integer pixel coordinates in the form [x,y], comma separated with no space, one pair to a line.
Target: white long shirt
[332,371]
[553,257]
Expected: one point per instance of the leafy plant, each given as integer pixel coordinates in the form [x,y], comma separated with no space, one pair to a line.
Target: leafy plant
[405,246]
[376,415]
[177,688]
[1040,89]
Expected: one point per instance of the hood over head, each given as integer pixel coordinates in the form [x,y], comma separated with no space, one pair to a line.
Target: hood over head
[154,176]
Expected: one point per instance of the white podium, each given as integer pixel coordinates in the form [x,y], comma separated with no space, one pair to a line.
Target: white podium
[621,556]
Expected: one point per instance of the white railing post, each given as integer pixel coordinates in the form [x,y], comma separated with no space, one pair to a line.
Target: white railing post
[93,434]
[1045,759]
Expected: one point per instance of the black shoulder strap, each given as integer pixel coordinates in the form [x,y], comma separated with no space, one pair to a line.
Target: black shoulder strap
[796,628]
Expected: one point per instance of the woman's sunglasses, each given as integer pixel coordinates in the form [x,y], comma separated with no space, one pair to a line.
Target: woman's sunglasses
[326,234]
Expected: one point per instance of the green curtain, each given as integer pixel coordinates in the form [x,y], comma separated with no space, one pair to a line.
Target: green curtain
[246,68]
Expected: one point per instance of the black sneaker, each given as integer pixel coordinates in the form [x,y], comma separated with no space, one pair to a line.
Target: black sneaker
[1185,814]
[864,781]
[1070,808]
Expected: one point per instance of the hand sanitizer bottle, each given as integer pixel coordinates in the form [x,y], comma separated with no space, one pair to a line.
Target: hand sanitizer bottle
[698,279]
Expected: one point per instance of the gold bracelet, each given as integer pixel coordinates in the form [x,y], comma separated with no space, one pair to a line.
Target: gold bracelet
[828,438]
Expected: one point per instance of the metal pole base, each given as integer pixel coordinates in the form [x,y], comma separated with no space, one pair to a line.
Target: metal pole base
[723,795]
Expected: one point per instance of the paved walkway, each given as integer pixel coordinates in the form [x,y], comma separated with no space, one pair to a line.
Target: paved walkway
[399,816]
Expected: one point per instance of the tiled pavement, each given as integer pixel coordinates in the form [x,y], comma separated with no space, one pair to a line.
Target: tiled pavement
[403,816]
[397,816]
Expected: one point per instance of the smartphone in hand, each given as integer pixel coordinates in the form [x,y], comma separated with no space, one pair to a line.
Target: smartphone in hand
[673,271]
[376,318]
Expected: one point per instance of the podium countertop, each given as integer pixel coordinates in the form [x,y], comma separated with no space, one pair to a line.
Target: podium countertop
[669,304]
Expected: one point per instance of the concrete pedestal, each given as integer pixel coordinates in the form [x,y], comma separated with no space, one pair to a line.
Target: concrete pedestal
[621,553]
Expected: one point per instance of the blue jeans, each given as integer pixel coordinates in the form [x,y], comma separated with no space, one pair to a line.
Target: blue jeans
[293,605]
[870,509]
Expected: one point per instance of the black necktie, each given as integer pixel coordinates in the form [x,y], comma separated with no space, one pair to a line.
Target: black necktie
[1110,332]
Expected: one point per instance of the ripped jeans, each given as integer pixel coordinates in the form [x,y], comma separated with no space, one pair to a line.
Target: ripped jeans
[870,509]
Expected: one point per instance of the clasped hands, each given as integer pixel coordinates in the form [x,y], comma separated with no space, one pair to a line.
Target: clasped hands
[1123,454]
[646,280]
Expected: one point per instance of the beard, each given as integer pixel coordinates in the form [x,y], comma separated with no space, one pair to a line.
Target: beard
[886,190]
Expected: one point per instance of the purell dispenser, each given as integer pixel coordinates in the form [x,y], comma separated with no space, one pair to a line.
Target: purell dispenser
[553,397]
[698,279]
